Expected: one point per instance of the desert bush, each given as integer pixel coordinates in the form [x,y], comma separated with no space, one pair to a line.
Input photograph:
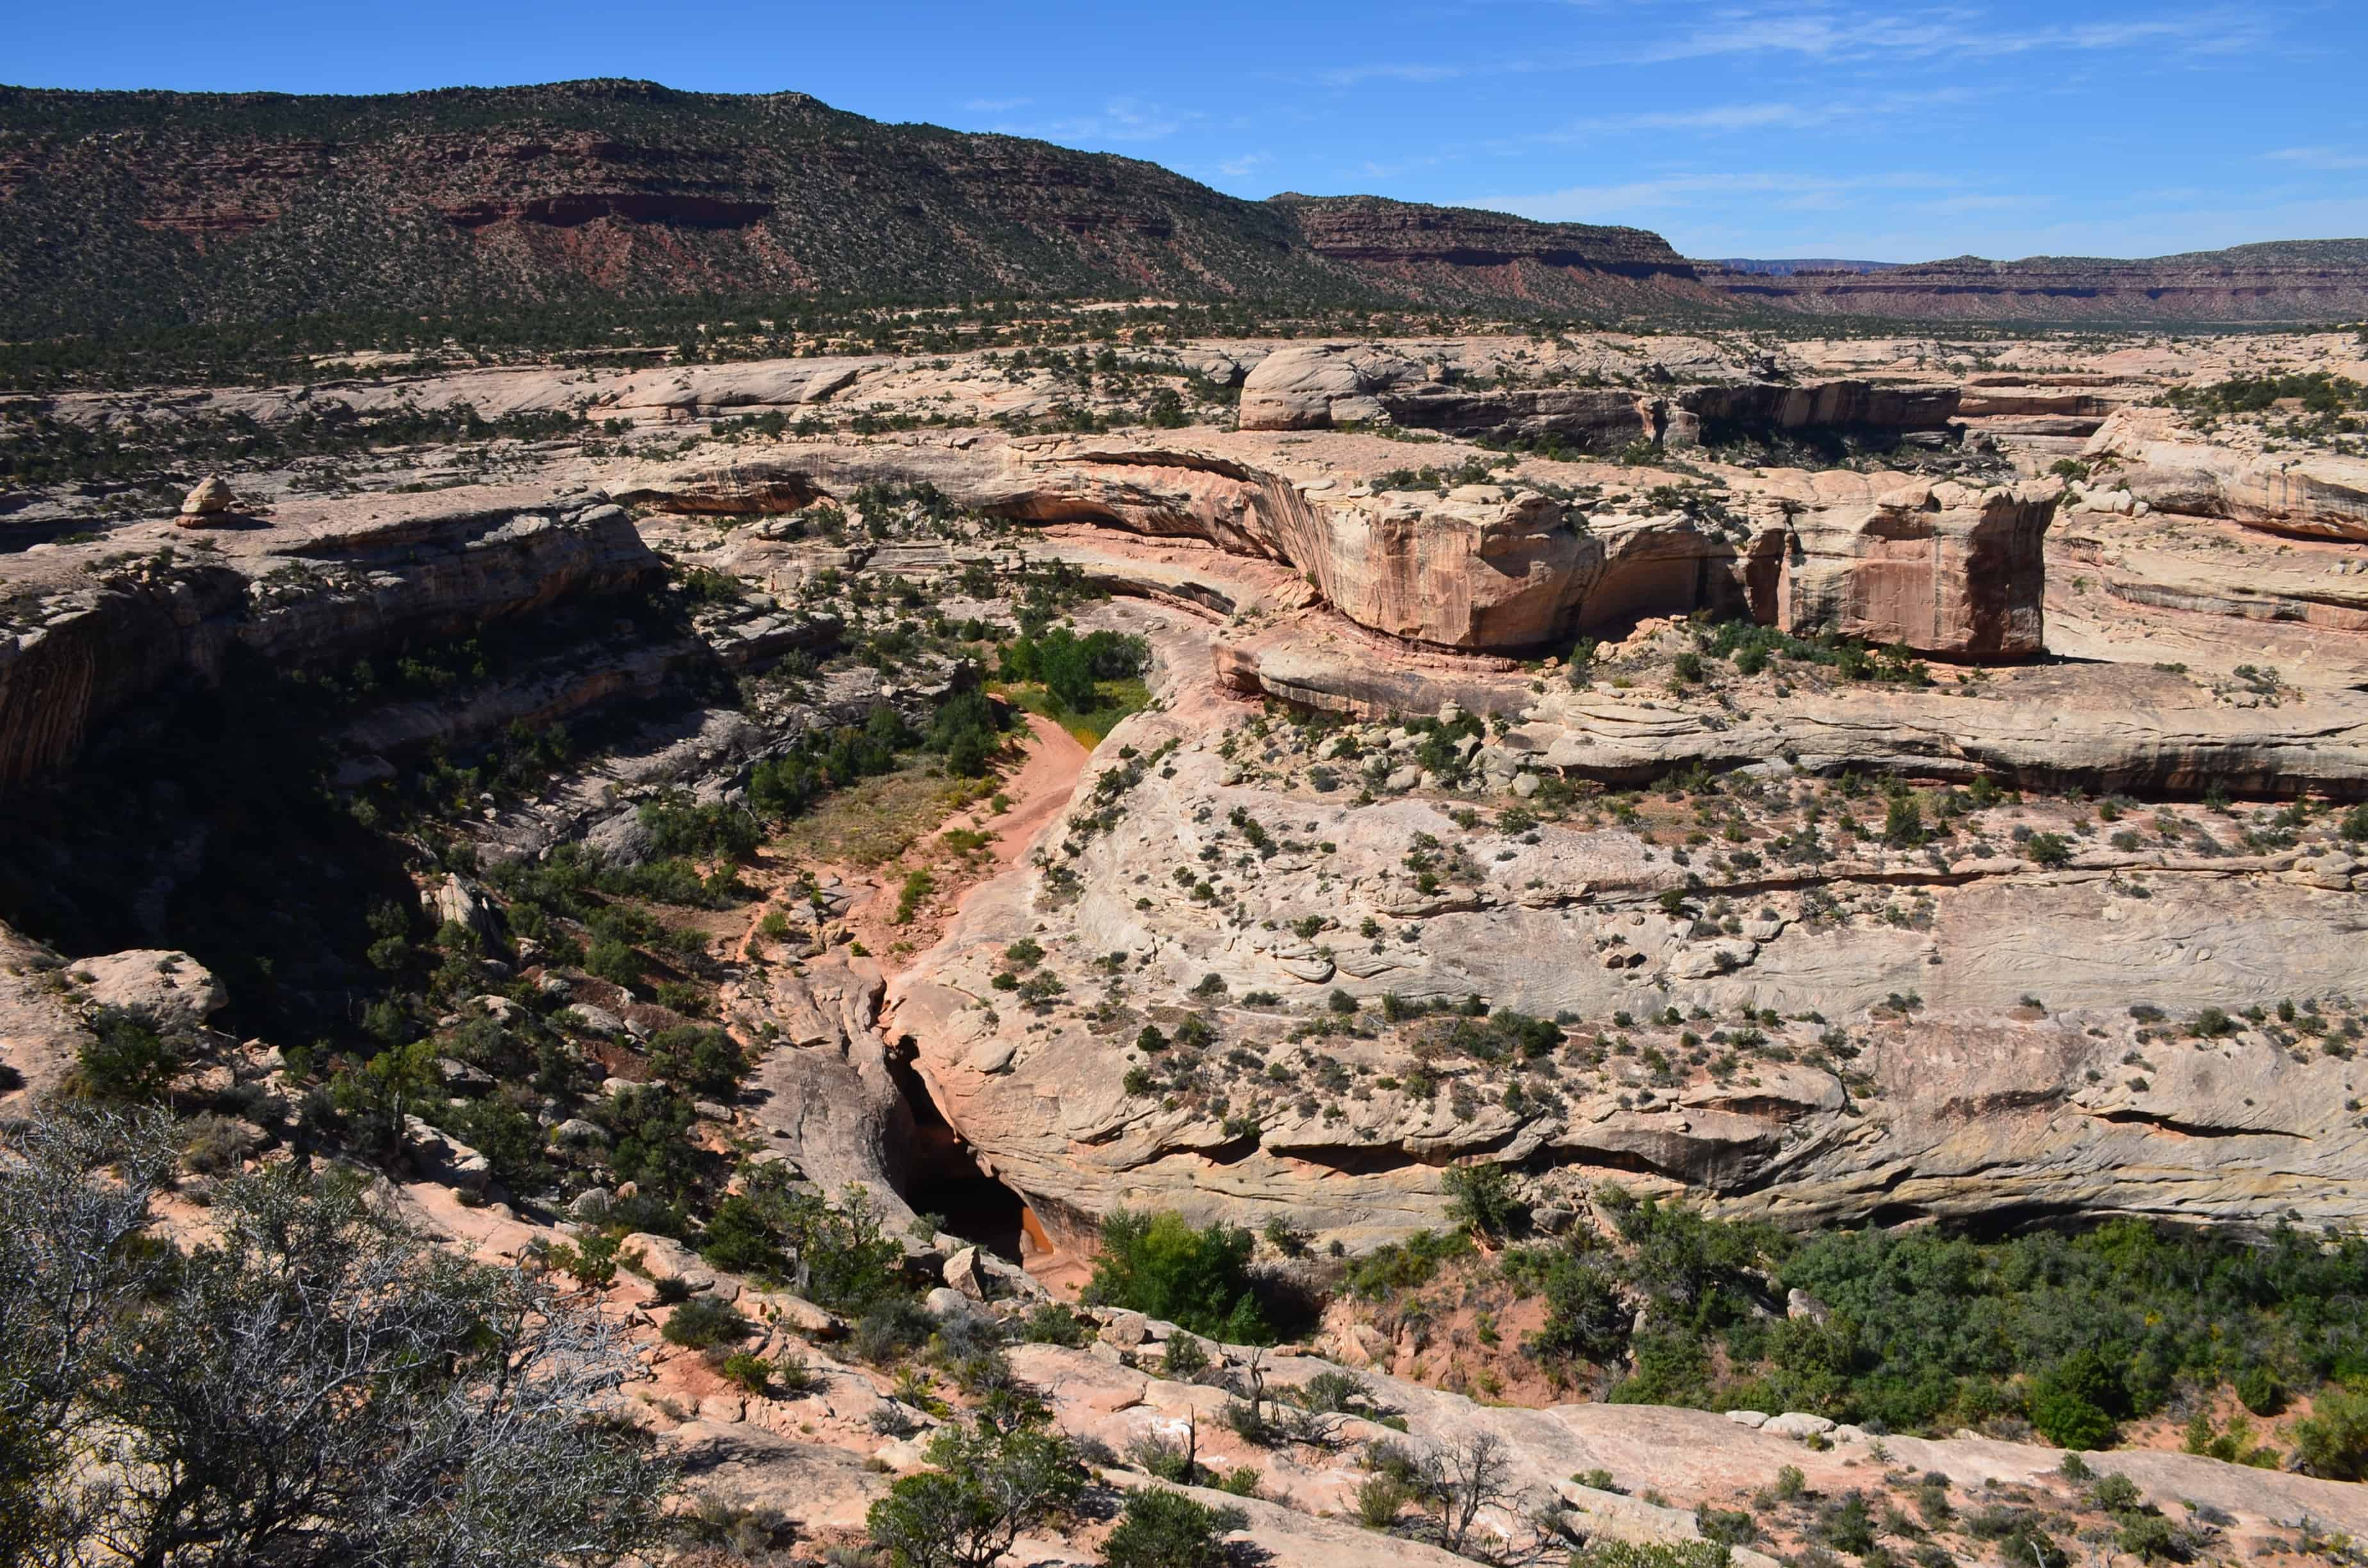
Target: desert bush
[752,1373]
[704,1061]
[1050,1322]
[1161,1528]
[2333,1442]
[124,1063]
[703,1323]
[988,1486]
[408,1406]
[1480,1198]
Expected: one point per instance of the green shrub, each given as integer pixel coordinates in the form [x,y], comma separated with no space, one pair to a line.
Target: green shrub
[591,1262]
[918,885]
[1184,1360]
[1405,1266]
[1480,1198]
[753,1374]
[2074,1403]
[704,1061]
[615,962]
[1052,1324]
[2333,1442]
[1162,1529]
[703,1323]
[850,1264]
[990,1484]
[1379,1500]
[2260,1390]
[124,1063]
[1161,1265]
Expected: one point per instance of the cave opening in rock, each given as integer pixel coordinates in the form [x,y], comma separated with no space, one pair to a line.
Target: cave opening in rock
[943,1176]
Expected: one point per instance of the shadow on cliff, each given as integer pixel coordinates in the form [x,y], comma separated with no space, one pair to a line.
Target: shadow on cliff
[202,822]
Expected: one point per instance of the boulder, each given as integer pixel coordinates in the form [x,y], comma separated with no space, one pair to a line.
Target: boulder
[439,1157]
[592,1019]
[794,1312]
[1798,1424]
[945,1301]
[462,903]
[461,1078]
[578,1133]
[210,497]
[962,1272]
[1126,1330]
[1314,386]
[661,1258]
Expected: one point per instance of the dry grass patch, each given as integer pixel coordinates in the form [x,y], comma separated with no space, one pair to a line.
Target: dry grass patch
[877,819]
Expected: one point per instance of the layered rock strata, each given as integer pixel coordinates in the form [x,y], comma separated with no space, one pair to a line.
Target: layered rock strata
[1318,386]
[2306,495]
[1940,568]
[85,631]
[1968,1098]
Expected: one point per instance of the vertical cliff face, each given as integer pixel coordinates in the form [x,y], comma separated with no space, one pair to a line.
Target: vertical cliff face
[1497,568]
[1942,568]
[1846,405]
[97,647]
[92,635]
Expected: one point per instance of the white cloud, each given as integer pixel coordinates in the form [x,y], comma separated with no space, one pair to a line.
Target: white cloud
[1120,120]
[1685,192]
[1818,31]
[2327,159]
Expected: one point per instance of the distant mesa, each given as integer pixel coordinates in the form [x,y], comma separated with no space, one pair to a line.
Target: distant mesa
[134,210]
[1785,267]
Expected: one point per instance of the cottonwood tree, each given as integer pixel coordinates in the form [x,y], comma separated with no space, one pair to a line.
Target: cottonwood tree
[317,1385]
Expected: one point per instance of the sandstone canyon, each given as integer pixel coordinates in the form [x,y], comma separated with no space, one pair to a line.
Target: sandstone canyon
[1406,805]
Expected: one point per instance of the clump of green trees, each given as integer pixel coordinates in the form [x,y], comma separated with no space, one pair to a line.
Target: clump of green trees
[1926,1330]
[1071,668]
[1198,1277]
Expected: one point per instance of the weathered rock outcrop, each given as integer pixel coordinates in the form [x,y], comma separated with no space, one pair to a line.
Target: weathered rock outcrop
[1961,1114]
[1968,1100]
[2310,496]
[46,1003]
[1832,405]
[2287,281]
[1944,569]
[1320,385]
[83,633]
[2100,729]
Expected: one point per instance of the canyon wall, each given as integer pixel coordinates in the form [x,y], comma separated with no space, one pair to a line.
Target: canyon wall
[1944,568]
[86,629]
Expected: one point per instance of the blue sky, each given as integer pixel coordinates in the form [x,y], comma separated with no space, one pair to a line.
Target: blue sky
[1891,132]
